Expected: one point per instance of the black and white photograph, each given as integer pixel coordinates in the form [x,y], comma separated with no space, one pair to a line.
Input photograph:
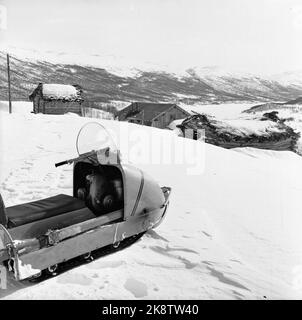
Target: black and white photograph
[150,150]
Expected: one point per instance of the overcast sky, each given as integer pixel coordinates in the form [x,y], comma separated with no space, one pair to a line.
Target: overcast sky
[252,35]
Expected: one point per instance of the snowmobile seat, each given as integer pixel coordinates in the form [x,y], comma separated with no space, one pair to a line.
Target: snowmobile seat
[42,209]
[40,227]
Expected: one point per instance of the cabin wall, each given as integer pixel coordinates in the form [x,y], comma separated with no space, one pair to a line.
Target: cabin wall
[59,107]
[166,118]
[36,102]
[41,105]
[123,115]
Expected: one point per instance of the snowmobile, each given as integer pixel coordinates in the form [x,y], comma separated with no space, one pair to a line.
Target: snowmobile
[112,201]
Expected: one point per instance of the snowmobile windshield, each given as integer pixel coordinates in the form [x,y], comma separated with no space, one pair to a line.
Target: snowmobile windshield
[94,136]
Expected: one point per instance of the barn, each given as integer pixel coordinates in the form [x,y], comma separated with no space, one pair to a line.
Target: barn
[158,115]
[57,98]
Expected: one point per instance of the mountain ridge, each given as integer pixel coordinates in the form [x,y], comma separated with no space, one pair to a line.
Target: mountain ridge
[195,86]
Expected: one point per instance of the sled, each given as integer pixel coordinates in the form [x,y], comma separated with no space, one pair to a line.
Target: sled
[112,202]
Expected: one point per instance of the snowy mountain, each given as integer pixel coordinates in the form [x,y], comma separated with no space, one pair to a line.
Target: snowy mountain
[232,231]
[107,78]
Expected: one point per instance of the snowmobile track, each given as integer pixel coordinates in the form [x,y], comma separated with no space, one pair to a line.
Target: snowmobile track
[78,261]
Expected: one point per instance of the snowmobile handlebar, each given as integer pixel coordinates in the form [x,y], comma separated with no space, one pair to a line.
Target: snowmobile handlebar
[79,158]
[61,163]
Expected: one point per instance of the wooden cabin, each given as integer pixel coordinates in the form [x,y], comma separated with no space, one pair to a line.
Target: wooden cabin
[158,115]
[57,98]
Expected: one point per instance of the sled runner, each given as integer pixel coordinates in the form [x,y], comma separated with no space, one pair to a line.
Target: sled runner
[111,202]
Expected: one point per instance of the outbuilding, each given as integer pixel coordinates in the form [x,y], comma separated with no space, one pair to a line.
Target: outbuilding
[158,115]
[57,98]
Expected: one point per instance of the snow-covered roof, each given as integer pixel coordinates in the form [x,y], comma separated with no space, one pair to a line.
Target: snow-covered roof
[238,127]
[54,91]
[243,127]
[59,91]
[258,133]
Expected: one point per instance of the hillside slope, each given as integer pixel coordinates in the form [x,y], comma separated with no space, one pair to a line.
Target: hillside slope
[101,84]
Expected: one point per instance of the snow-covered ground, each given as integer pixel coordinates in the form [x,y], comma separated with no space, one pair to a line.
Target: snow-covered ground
[17,107]
[232,231]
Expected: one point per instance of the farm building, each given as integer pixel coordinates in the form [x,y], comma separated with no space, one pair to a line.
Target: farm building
[158,115]
[264,132]
[57,98]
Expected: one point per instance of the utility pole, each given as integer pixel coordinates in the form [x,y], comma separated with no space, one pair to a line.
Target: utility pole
[143,117]
[8,79]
